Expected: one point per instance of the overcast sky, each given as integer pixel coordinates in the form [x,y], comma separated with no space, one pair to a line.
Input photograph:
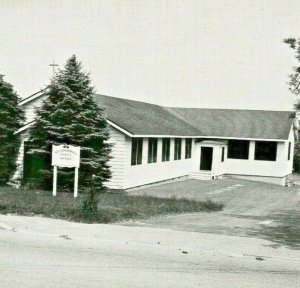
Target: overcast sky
[205,53]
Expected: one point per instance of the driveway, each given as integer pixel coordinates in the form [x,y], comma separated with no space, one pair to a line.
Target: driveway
[252,209]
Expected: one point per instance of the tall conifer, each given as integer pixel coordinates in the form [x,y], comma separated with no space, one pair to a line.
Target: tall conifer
[69,115]
[11,118]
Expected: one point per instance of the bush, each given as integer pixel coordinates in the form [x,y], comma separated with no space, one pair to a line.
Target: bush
[90,205]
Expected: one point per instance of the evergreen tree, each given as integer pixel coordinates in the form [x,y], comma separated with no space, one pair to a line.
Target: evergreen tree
[294,86]
[294,83]
[11,118]
[69,115]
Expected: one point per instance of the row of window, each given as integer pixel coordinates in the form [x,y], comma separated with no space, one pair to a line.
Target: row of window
[137,150]
[264,150]
[237,149]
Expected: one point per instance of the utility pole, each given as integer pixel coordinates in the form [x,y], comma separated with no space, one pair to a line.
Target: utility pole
[53,65]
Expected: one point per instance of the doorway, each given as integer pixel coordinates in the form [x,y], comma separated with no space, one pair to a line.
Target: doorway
[206,158]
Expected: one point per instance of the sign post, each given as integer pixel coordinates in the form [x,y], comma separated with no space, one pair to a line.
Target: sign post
[54,180]
[65,156]
[76,183]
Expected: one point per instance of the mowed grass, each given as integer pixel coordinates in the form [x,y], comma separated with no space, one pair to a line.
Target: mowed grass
[114,206]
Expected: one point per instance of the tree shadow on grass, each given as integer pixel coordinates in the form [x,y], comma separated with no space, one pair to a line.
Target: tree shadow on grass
[284,230]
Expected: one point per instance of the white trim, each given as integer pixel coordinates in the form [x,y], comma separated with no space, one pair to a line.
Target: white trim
[26,126]
[212,143]
[119,128]
[240,138]
[32,97]
[208,137]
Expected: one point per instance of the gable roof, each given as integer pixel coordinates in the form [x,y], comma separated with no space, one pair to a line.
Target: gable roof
[136,118]
[142,119]
[234,123]
[139,118]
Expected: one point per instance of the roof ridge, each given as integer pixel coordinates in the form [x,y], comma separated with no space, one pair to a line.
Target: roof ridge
[125,99]
[170,110]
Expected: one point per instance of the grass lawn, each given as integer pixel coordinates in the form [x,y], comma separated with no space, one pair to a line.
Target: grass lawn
[113,206]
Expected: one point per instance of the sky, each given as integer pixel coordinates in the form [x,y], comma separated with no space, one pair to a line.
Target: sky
[200,53]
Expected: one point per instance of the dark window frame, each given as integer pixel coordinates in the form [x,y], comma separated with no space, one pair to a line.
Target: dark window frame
[238,149]
[265,151]
[223,154]
[188,148]
[289,151]
[152,150]
[177,148]
[136,151]
[166,144]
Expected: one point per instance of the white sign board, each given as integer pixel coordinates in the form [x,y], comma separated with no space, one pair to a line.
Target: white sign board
[65,156]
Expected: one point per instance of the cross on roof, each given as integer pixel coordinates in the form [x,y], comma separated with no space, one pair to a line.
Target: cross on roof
[53,66]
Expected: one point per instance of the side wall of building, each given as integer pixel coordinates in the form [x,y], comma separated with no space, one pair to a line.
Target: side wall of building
[116,163]
[118,159]
[18,175]
[146,173]
[279,168]
[29,108]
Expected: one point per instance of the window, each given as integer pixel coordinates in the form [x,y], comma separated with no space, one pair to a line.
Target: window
[152,150]
[136,151]
[289,152]
[188,148]
[165,149]
[223,154]
[238,149]
[265,150]
[177,150]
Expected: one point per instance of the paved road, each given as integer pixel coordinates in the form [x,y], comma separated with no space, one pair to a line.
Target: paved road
[252,209]
[38,252]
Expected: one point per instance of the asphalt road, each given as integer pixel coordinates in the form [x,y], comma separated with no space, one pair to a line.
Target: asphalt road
[40,252]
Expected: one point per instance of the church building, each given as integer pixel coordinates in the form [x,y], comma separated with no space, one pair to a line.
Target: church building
[152,143]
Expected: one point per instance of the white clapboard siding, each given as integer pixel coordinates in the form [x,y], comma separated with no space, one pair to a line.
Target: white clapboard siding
[117,161]
[279,168]
[29,108]
[147,173]
[18,175]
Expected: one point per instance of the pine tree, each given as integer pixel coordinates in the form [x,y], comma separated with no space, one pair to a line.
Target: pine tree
[294,87]
[11,118]
[69,115]
[294,83]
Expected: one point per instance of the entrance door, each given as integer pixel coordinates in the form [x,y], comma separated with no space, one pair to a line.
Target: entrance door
[32,166]
[206,158]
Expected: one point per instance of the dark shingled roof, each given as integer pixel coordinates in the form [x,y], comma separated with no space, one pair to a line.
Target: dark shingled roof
[233,123]
[141,118]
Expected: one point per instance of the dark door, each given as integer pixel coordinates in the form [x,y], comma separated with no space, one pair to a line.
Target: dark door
[206,158]
[32,166]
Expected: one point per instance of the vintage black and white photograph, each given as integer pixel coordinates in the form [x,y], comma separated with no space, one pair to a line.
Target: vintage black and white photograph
[149,143]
